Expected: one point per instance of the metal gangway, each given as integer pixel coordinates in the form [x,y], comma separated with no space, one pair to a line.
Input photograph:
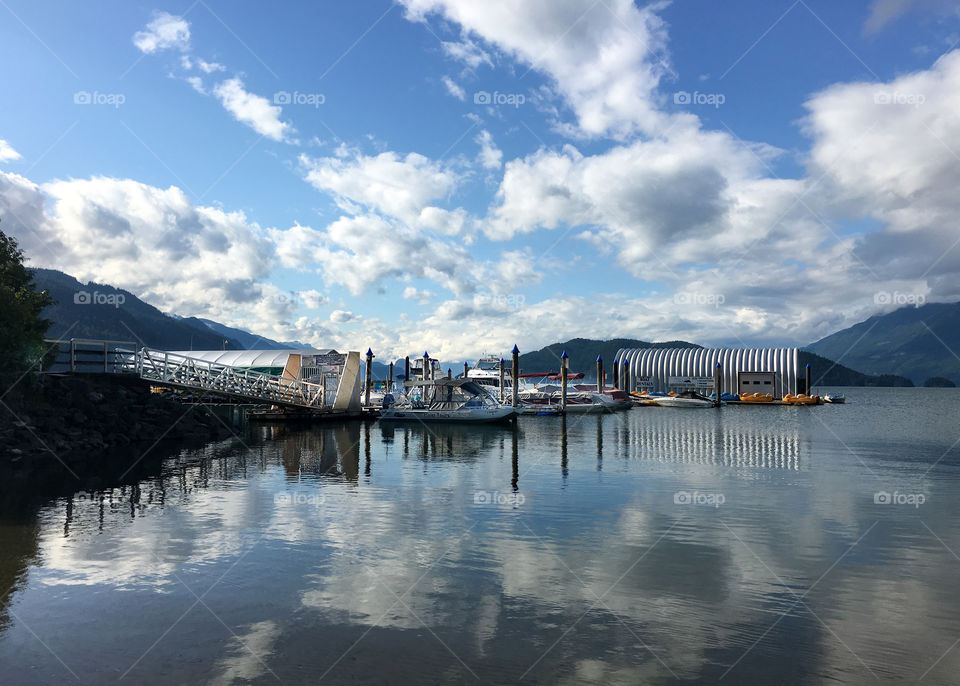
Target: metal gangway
[176,370]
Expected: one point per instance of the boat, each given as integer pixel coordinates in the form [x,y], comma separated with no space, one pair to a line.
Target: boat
[835,398]
[547,396]
[802,399]
[612,399]
[446,400]
[688,399]
[756,398]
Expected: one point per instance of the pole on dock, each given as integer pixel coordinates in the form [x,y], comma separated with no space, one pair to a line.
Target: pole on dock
[717,383]
[390,377]
[599,374]
[516,374]
[369,379]
[406,373]
[426,365]
[807,391]
[616,375]
[449,373]
[503,391]
[564,366]
[466,368]
[625,376]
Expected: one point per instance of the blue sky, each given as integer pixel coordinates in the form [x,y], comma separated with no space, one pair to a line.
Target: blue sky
[745,173]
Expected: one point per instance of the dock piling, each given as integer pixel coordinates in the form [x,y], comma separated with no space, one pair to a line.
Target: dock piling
[426,365]
[390,377]
[717,383]
[503,391]
[807,382]
[616,375]
[466,368]
[599,374]
[515,374]
[564,365]
[369,378]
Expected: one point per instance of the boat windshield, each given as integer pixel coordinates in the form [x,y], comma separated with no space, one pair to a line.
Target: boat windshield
[488,365]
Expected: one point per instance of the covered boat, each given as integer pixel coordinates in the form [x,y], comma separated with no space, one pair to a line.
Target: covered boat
[446,400]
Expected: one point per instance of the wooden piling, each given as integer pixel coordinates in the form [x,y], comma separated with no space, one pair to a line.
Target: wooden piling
[599,374]
[625,376]
[564,366]
[369,379]
[426,365]
[466,368]
[449,373]
[717,383]
[503,390]
[807,391]
[616,375]
[389,377]
[515,375]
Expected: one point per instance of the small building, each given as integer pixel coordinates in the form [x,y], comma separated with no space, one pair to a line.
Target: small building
[742,370]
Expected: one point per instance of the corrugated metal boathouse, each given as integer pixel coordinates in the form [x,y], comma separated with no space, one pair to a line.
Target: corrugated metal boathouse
[743,370]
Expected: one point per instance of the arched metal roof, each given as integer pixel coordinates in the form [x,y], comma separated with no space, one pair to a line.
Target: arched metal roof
[662,363]
[247,358]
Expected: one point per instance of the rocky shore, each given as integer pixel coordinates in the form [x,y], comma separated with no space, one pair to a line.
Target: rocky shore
[73,423]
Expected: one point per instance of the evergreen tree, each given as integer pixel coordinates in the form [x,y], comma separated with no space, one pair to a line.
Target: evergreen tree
[21,327]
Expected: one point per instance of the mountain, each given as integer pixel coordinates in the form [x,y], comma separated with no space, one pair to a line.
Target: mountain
[248,340]
[583,352]
[99,311]
[916,342]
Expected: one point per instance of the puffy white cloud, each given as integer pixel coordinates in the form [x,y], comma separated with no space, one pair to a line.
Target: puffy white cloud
[454,89]
[401,187]
[606,58]
[341,316]
[188,63]
[314,299]
[888,152]
[253,110]
[422,296]
[491,157]
[165,31]
[468,52]
[362,251]
[154,242]
[7,152]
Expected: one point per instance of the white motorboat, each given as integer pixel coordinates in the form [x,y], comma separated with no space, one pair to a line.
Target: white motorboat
[446,400]
[687,399]
[836,398]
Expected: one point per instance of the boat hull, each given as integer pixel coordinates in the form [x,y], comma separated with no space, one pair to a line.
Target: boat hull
[471,416]
[689,403]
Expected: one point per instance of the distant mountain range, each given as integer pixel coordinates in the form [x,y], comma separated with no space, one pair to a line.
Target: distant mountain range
[915,342]
[100,311]
[903,348]
[582,353]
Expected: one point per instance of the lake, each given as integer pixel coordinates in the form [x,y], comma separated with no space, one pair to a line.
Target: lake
[762,545]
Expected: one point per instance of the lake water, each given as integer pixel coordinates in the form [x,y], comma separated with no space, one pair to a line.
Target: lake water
[660,545]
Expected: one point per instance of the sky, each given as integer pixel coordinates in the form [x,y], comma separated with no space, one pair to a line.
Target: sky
[460,176]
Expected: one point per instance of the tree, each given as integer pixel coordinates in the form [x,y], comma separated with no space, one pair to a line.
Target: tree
[21,327]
